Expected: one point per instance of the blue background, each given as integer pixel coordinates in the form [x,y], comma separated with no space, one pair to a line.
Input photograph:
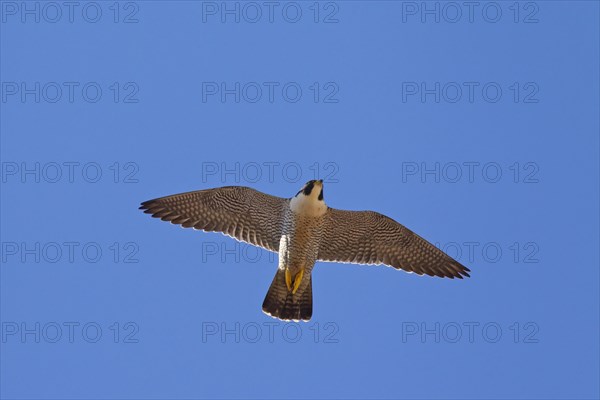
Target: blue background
[366,139]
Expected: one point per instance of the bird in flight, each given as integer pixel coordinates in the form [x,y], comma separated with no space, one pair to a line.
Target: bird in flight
[303,230]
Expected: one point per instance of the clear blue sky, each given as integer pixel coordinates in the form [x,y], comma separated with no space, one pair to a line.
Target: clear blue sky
[477,128]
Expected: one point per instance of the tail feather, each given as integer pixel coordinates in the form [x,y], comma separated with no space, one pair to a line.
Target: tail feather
[281,303]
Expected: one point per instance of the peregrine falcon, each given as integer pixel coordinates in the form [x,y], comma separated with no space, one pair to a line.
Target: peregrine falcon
[303,230]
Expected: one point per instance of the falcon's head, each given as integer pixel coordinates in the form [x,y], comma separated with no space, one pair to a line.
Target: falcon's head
[311,189]
[309,199]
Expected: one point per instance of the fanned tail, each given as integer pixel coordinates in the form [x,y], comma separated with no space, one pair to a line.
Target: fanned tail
[282,304]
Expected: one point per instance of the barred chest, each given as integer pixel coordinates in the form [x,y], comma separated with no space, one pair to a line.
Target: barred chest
[299,243]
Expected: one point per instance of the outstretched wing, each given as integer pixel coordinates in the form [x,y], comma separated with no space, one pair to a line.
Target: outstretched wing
[240,212]
[367,237]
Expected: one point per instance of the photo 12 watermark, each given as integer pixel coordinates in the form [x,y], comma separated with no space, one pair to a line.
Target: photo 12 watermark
[270,92]
[470,12]
[470,332]
[470,92]
[269,171]
[492,252]
[518,172]
[270,332]
[473,252]
[30,332]
[270,12]
[69,252]
[69,92]
[29,172]
[71,12]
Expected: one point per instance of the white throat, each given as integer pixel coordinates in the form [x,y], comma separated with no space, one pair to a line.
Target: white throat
[308,205]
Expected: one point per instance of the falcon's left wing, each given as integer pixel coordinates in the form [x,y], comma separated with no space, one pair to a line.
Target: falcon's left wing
[367,237]
[240,212]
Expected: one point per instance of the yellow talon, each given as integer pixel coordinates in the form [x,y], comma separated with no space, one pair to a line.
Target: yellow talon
[288,279]
[297,281]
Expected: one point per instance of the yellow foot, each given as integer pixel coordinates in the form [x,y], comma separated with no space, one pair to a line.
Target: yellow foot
[293,284]
[297,281]
[288,279]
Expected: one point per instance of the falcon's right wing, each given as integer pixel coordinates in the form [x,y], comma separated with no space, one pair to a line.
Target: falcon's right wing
[367,237]
[243,213]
